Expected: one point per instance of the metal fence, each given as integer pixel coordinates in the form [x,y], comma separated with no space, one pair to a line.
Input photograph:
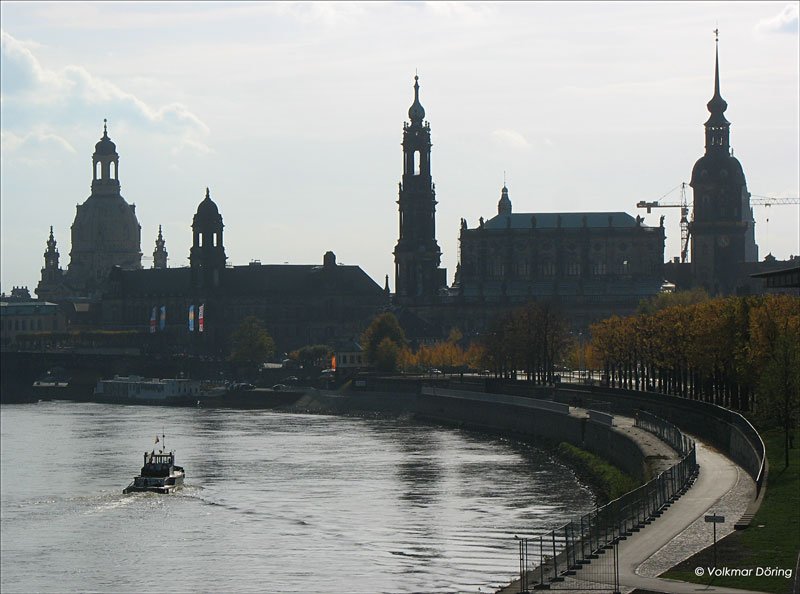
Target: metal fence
[664,430]
[571,550]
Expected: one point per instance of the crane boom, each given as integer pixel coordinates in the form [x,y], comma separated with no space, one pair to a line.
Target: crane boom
[754,201]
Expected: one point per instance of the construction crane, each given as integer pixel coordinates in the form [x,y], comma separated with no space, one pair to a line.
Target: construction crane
[684,215]
[755,200]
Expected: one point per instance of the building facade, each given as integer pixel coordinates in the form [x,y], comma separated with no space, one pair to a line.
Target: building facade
[418,278]
[299,305]
[521,256]
[105,233]
[722,227]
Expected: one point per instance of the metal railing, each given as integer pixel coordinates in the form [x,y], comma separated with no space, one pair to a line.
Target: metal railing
[664,430]
[563,551]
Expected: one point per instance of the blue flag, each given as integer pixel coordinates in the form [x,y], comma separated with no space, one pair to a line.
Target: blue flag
[191,318]
[163,321]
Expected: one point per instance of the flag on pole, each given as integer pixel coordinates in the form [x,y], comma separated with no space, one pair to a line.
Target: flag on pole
[191,318]
[163,320]
[156,438]
[200,321]
[153,321]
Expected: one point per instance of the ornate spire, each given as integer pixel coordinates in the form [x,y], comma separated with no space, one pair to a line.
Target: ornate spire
[717,105]
[504,206]
[416,112]
[160,253]
[51,253]
[717,127]
[51,242]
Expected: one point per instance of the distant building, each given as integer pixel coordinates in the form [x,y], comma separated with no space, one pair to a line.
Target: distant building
[724,253]
[521,256]
[418,278]
[28,317]
[722,227]
[299,304]
[105,233]
[591,264]
[783,280]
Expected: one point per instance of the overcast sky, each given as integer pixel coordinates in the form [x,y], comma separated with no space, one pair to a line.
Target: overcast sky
[292,114]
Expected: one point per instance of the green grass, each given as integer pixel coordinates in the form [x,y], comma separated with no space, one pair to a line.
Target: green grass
[773,538]
[607,481]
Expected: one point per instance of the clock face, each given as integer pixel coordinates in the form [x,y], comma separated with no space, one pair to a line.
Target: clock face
[723,241]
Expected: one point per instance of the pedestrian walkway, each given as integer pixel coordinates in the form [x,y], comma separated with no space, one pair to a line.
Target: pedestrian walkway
[680,532]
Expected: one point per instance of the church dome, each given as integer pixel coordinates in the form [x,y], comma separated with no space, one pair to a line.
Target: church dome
[717,168]
[207,212]
[106,146]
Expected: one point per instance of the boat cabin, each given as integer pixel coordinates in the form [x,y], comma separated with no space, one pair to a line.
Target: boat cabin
[158,464]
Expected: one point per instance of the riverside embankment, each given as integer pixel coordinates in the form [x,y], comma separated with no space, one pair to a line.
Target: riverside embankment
[551,417]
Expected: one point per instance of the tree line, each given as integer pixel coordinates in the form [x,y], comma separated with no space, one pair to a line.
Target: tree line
[741,353]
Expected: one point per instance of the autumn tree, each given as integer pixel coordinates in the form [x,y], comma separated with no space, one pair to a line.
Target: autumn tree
[678,298]
[775,328]
[251,344]
[313,355]
[383,341]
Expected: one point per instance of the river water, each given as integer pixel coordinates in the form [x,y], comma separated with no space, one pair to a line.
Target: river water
[273,502]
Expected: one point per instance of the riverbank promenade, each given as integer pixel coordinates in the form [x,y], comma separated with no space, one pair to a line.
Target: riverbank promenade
[721,487]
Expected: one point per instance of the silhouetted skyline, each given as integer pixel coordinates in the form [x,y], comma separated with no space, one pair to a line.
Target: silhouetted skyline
[292,114]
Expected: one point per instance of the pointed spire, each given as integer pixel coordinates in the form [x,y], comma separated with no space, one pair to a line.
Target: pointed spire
[51,253]
[160,253]
[416,112]
[717,105]
[105,128]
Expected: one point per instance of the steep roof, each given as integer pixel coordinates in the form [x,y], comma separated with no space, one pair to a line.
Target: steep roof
[569,220]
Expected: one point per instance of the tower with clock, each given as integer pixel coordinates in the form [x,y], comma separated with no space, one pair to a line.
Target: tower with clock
[722,228]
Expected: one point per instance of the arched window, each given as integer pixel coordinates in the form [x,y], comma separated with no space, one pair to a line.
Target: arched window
[417,162]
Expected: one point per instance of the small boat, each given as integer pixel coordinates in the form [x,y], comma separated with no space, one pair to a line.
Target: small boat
[56,384]
[158,475]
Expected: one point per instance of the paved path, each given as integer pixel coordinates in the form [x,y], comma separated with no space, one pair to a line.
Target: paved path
[681,531]
[676,535]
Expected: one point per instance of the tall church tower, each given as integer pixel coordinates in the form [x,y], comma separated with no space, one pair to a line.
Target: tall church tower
[722,228]
[418,277]
[105,232]
[51,285]
[160,253]
[207,256]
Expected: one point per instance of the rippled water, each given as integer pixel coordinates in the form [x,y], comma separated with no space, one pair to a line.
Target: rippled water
[273,502]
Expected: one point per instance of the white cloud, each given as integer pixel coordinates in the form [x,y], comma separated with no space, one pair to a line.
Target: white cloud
[784,22]
[510,138]
[73,92]
[33,141]
[464,12]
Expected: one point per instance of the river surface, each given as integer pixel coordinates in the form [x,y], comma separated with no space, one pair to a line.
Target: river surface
[273,502]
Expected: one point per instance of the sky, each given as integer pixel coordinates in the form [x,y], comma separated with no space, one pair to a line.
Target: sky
[292,114]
